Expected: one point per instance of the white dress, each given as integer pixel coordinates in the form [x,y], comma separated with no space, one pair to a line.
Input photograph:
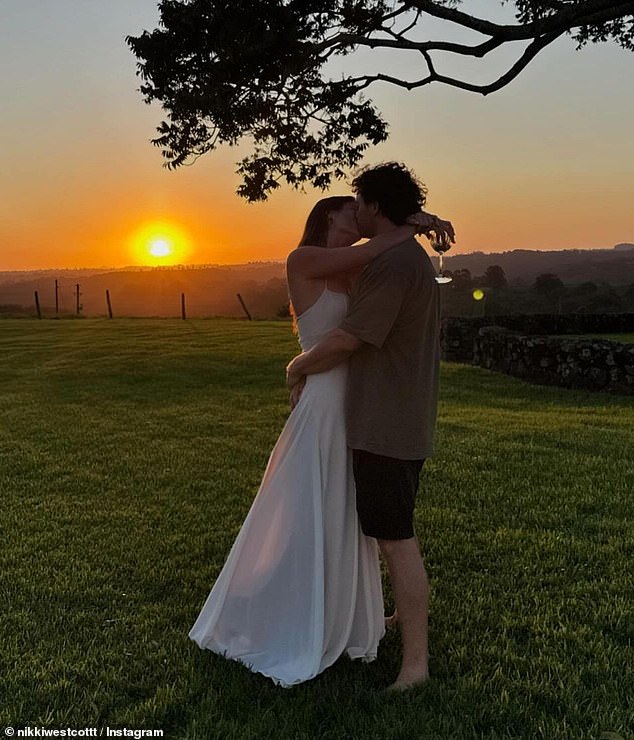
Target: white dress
[301,584]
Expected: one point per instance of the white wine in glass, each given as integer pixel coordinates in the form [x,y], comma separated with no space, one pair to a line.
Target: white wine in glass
[441,243]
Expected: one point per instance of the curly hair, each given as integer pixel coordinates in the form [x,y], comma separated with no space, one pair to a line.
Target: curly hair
[393,188]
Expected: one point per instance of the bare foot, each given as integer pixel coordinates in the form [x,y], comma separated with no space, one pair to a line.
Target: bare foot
[409,679]
[391,621]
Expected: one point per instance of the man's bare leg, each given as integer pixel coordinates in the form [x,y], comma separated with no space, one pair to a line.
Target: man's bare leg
[411,595]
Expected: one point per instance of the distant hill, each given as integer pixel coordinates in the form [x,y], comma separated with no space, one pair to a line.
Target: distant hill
[253,268]
[18,276]
[623,247]
[572,266]
[211,289]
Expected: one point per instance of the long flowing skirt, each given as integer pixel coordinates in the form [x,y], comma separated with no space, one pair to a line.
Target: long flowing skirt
[301,584]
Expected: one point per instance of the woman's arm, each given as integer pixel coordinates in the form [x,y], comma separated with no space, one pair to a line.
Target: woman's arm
[318,262]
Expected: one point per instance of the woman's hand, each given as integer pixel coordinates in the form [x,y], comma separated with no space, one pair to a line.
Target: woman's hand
[426,222]
[293,376]
[296,392]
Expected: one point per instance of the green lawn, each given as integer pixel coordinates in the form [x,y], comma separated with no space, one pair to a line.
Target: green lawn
[130,451]
[624,338]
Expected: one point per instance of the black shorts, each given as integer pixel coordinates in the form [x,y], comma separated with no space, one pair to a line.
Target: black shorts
[386,494]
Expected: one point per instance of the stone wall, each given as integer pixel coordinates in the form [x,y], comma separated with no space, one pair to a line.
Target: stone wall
[516,345]
[458,336]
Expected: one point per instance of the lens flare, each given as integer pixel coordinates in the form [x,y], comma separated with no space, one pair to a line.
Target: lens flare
[478,294]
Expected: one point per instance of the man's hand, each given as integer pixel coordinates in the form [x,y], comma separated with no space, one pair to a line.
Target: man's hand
[427,222]
[296,392]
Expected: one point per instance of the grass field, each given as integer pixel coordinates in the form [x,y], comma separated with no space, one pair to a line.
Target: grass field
[623,338]
[130,451]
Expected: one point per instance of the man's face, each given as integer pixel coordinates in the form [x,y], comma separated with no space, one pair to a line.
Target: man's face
[366,217]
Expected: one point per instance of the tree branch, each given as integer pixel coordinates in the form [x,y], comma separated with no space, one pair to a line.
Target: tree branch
[463,19]
[401,34]
[221,73]
[346,39]
[566,17]
[529,53]
[590,13]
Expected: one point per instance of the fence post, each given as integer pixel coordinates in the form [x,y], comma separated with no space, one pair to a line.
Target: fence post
[56,298]
[37,305]
[77,294]
[183,314]
[246,310]
[109,304]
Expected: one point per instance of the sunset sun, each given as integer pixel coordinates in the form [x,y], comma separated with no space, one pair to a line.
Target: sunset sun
[160,248]
[160,243]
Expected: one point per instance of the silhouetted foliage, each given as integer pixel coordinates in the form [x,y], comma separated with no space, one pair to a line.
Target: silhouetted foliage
[628,298]
[462,280]
[284,311]
[548,284]
[223,70]
[585,289]
[604,301]
[495,278]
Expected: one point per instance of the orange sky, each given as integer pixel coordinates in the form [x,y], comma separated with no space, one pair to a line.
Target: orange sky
[547,163]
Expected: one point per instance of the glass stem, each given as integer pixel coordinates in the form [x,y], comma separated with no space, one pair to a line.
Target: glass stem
[440,263]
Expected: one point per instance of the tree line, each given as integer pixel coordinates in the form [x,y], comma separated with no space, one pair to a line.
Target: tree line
[546,294]
[263,288]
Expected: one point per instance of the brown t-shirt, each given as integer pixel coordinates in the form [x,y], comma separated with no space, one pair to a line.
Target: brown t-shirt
[392,391]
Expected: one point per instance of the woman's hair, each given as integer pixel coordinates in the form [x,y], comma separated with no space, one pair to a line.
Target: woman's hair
[316,229]
[393,188]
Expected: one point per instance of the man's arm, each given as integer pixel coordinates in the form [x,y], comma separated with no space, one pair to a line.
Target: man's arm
[332,350]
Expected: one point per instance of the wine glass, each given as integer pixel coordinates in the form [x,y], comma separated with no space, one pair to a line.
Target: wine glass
[441,243]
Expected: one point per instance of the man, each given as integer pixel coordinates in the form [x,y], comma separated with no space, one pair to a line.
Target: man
[391,338]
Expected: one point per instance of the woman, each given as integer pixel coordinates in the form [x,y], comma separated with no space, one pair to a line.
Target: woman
[302,584]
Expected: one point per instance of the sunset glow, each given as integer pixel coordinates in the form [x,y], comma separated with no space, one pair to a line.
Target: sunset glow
[160,243]
[542,165]
[160,248]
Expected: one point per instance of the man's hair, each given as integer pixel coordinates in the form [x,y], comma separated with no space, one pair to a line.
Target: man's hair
[393,188]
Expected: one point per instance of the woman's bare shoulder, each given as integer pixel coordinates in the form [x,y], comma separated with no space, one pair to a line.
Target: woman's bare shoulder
[301,252]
